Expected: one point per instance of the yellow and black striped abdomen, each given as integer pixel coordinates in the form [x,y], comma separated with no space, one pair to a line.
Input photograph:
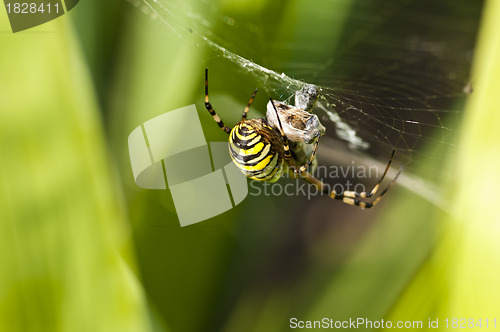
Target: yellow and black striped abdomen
[257,149]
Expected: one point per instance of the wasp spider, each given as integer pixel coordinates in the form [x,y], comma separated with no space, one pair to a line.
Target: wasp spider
[264,148]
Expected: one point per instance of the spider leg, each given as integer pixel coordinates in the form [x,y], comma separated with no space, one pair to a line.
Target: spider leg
[342,196]
[304,167]
[322,187]
[348,197]
[286,147]
[245,112]
[354,194]
[211,110]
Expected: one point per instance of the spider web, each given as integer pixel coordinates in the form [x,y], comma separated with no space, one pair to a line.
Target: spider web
[392,75]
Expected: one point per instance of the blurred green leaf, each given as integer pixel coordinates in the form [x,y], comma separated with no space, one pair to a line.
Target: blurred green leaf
[460,278]
[65,250]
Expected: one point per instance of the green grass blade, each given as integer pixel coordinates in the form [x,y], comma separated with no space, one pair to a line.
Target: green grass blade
[63,237]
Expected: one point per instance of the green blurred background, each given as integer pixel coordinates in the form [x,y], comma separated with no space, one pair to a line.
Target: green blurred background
[82,248]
